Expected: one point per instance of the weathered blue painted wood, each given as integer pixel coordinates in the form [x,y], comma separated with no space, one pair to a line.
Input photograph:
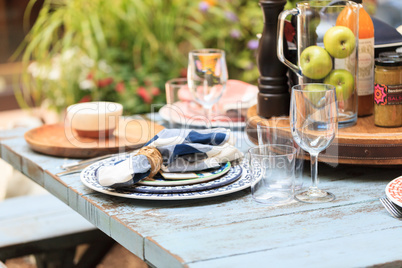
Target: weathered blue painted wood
[12,133]
[230,231]
[361,250]
[34,218]
[276,233]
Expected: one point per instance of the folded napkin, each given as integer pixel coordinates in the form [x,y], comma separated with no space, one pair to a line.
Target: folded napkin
[179,150]
[236,100]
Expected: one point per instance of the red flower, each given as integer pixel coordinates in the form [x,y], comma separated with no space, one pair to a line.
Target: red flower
[143,93]
[120,87]
[86,98]
[155,91]
[105,82]
[183,73]
[90,76]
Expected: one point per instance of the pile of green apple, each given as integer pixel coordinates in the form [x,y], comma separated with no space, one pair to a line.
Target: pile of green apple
[316,62]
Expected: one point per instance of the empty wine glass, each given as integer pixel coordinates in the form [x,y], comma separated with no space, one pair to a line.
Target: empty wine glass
[207,76]
[314,123]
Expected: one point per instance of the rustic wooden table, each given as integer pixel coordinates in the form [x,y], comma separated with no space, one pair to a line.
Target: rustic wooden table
[232,230]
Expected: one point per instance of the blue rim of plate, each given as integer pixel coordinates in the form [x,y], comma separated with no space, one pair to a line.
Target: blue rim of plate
[89,179]
[233,174]
[201,177]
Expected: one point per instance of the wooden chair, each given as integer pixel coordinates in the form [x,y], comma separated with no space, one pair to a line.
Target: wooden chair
[44,226]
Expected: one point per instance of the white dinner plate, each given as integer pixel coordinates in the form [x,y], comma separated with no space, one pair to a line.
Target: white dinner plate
[184,116]
[394,191]
[89,179]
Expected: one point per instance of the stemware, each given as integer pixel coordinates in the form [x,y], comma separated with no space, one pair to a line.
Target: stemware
[207,76]
[314,123]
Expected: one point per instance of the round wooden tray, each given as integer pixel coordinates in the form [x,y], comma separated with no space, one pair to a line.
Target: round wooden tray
[60,141]
[362,144]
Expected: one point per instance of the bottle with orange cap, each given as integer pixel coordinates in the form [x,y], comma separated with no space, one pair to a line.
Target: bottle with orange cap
[365,80]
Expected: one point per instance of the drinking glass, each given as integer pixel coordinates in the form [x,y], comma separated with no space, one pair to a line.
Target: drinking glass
[207,76]
[272,172]
[314,123]
[276,130]
[174,106]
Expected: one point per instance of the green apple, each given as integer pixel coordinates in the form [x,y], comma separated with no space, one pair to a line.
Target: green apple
[315,62]
[339,41]
[343,81]
[316,94]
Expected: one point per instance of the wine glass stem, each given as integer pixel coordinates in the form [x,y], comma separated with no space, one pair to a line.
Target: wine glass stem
[208,112]
[314,171]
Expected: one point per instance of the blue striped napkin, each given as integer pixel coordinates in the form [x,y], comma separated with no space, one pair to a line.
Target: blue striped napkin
[182,150]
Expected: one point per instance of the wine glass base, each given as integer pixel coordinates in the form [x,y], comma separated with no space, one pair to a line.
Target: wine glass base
[315,196]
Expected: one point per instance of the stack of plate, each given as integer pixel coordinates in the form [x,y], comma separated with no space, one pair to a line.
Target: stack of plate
[174,186]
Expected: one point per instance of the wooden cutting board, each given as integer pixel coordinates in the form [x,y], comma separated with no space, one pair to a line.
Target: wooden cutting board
[58,140]
[362,144]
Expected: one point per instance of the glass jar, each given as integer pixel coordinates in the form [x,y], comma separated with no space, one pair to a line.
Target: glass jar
[390,54]
[388,92]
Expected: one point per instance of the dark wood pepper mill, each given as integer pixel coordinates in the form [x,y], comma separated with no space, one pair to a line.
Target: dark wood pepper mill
[273,96]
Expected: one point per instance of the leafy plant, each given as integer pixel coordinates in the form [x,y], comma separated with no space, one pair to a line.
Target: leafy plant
[125,50]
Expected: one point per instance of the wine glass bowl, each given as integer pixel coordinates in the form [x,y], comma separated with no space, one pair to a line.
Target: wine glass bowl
[314,124]
[207,76]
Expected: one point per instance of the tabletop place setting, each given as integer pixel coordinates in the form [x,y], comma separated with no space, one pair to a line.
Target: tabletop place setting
[195,155]
[272,161]
[201,107]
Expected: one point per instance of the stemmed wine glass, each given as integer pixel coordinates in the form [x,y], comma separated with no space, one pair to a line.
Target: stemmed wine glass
[314,123]
[207,76]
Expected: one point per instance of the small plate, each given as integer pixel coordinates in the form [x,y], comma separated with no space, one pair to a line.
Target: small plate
[90,180]
[394,191]
[183,115]
[197,177]
[233,174]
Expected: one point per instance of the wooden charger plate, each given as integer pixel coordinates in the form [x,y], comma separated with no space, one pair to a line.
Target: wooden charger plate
[362,144]
[62,141]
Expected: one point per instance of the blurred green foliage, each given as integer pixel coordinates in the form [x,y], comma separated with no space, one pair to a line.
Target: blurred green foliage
[125,50]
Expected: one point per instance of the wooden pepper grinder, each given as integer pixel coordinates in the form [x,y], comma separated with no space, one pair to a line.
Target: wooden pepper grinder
[273,96]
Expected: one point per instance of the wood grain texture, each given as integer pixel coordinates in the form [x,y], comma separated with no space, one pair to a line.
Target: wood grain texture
[233,230]
[62,141]
[362,144]
[34,218]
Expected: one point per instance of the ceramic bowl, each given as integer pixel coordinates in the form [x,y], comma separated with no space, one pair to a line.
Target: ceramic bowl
[94,119]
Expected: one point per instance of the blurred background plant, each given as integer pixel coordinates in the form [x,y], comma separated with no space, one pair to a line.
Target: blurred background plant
[125,50]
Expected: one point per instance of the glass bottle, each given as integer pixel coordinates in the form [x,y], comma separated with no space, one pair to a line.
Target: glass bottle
[365,80]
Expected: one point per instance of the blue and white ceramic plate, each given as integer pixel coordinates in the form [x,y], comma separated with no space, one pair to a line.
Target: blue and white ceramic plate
[176,179]
[89,179]
[233,174]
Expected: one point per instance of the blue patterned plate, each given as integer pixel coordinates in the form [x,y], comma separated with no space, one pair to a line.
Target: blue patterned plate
[197,177]
[89,179]
[233,174]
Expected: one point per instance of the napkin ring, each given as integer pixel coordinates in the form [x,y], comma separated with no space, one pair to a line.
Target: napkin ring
[154,158]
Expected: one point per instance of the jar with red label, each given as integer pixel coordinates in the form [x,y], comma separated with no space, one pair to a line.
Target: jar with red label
[388,92]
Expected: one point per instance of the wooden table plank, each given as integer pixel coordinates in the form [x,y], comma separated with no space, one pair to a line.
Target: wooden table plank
[362,250]
[44,213]
[274,233]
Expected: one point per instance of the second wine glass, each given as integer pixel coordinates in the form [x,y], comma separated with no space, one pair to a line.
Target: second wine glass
[314,124]
[207,76]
